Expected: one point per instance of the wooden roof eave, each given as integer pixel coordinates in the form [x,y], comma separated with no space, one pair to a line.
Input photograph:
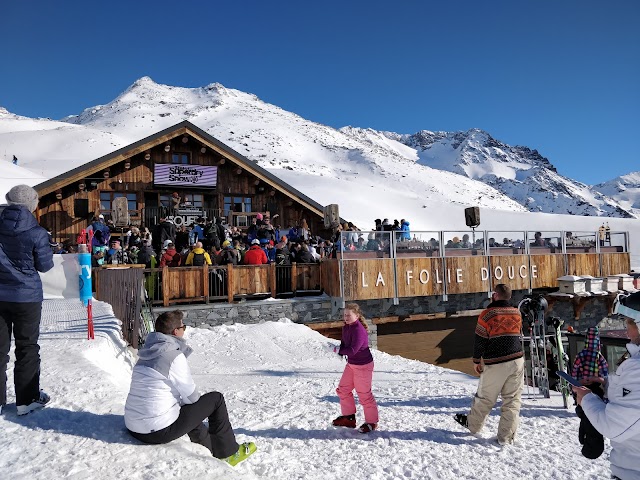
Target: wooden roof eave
[259,172]
[182,128]
[104,162]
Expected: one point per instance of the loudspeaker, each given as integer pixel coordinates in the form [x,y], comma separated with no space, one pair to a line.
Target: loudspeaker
[472,216]
[120,211]
[331,216]
[81,207]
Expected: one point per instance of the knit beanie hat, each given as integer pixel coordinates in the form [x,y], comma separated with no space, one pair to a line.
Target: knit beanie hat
[23,195]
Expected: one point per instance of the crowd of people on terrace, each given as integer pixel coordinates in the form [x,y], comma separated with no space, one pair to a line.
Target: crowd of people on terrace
[213,242]
[206,241]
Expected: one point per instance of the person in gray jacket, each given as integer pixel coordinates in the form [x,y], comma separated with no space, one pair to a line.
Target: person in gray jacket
[164,404]
[24,251]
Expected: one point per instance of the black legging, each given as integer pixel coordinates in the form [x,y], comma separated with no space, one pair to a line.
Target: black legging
[218,438]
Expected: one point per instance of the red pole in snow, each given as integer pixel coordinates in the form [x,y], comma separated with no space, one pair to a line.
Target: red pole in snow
[90,333]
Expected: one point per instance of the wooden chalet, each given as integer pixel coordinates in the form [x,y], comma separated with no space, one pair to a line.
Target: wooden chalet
[211,179]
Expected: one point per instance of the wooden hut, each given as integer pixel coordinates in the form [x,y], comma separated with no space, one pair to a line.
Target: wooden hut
[181,172]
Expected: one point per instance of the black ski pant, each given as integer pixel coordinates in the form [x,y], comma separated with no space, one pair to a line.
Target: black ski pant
[23,320]
[218,438]
[591,439]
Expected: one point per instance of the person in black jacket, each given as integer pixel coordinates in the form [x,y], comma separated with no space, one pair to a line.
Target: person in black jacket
[145,254]
[24,251]
[303,255]
[165,230]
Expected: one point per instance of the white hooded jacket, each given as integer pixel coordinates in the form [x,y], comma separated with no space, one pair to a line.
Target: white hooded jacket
[161,383]
[619,420]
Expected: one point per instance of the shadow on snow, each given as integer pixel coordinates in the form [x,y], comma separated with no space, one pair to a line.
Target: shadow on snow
[108,428]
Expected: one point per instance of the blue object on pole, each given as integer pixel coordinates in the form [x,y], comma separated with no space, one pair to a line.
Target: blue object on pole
[84,259]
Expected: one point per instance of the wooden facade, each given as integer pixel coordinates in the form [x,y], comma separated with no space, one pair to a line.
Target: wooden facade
[242,189]
[178,285]
[367,278]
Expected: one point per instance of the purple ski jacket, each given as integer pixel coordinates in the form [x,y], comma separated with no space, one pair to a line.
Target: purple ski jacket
[355,344]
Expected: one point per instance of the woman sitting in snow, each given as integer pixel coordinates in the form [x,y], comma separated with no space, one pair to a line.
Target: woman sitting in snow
[358,373]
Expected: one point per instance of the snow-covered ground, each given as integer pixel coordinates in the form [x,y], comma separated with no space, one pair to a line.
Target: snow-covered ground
[279,381]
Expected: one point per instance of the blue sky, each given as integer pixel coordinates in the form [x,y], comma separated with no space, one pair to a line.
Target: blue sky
[560,77]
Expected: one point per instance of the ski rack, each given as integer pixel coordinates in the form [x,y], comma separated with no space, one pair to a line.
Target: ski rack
[539,370]
[537,347]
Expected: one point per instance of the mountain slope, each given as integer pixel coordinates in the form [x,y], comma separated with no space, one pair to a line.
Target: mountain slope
[278,140]
[626,190]
[427,168]
[518,172]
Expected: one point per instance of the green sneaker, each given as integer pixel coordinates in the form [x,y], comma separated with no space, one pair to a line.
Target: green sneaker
[244,451]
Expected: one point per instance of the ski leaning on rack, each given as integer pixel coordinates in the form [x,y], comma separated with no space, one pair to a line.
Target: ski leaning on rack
[532,309]
[561,359]
[146,316]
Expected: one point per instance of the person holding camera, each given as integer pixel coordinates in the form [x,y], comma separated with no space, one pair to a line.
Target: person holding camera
[498,359]
[619,418]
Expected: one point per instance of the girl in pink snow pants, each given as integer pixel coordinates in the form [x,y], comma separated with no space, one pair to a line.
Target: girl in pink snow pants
[358,372]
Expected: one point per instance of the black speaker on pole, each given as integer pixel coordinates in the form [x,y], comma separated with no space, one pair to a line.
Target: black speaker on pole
[472,216]
[81,207]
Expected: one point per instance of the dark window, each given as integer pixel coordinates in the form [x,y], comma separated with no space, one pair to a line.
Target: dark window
[165,200]
[182,158]
[188,199]
[237,204]
[106,199]
[196,200]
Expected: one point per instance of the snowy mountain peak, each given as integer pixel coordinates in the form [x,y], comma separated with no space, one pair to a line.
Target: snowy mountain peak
[463,168]
[145,81]
[519,172]
[626,189]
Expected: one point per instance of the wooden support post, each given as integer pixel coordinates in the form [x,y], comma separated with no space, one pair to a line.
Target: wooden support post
[230,282]
[272,279]
[578,306]
[610,300]
[95,278]
[165,286]
[205,282]
[551,300]
[294,278]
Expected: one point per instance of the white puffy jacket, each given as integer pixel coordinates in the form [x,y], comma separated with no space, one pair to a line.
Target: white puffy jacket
[619,420]
[161,383]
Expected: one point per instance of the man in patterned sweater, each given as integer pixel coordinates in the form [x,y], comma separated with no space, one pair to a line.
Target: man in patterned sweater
[498,359]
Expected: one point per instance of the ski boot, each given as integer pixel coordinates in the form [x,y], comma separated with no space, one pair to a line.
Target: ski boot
[367,427]
[37,403]
[348,421]
[244,451]
[461,418]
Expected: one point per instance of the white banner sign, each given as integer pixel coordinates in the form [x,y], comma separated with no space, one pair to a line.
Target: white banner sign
[185,175]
